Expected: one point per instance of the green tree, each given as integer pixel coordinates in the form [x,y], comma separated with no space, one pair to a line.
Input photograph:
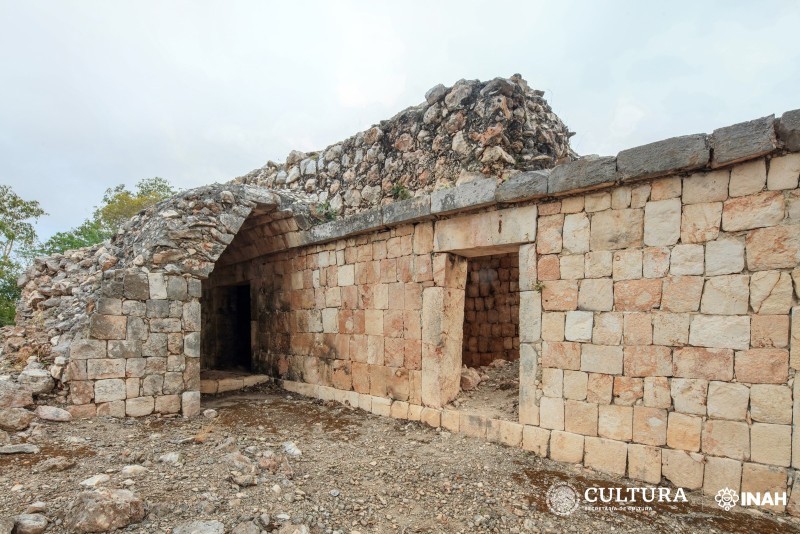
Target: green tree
[118,206]
[17,236]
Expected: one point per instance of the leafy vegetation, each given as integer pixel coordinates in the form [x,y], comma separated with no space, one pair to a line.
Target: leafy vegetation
[17,237]
[399,192]
[323,212]
[19,244]
[118,206]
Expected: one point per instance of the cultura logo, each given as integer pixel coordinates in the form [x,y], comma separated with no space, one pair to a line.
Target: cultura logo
[726,498]
[563,499]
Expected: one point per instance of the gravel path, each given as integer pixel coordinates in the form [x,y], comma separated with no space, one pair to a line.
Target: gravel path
[357,473]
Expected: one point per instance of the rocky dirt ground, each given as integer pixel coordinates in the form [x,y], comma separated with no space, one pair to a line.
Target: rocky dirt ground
[356,472]
[497,393]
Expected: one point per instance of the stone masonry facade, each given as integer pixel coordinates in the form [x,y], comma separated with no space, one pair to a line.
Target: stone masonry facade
[655,307]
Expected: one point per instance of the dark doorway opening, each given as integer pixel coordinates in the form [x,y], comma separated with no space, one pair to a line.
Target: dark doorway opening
[227,341]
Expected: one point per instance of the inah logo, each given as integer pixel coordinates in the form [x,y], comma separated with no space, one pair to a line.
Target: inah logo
[726,498]
[562,499]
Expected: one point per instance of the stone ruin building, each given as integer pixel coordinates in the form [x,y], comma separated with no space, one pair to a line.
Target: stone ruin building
[649,300]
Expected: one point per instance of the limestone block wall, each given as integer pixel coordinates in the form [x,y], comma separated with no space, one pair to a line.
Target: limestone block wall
[665,328]
[658,327]
[141,354]
[345,314]
[491,310]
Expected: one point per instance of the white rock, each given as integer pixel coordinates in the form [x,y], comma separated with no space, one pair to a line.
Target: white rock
[720,331]
[173,458]
[578,326]
[38,381]
[30,524]
[724,256]
[291,449]
[133,470]
[96,480]
[51,413]
[200,527]
[662,222]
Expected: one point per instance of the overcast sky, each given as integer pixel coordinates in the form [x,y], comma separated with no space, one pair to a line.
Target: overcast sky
[98,93]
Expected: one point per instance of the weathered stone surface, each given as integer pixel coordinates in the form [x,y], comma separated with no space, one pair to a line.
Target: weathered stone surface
[768,331]
[615,422]
[762,479]
[753,211]
[15,418]
[411,210]
[726,438]
[771,292]
[586,173]
[596,295]
[502,227]
[762,366]
[682,293]
[773,248]
[578,326]
[536,440]
[728,400]
[771,404]
[706,187]
[576,233]
[650,360]
[720,331]
[664,157]
[726,295]
[721,473]
[523,186]
[20,448]
[644,463]
[474,194]
[38,381]
[601,359]
[606,455]
[788,129]
[771,444]
[109,390]
[683,431]
[108,326]
[566,446]
[637,295]
[103,510]
[684,469]
[51,413]
[13,395]
[662,222]
[748,178]
[724,256]
[649,425]
[700,222]
[687,260]
[551,413]
[689,395]
[30,524]
[671,329]
[783,172]
[742,141]
[617,229]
